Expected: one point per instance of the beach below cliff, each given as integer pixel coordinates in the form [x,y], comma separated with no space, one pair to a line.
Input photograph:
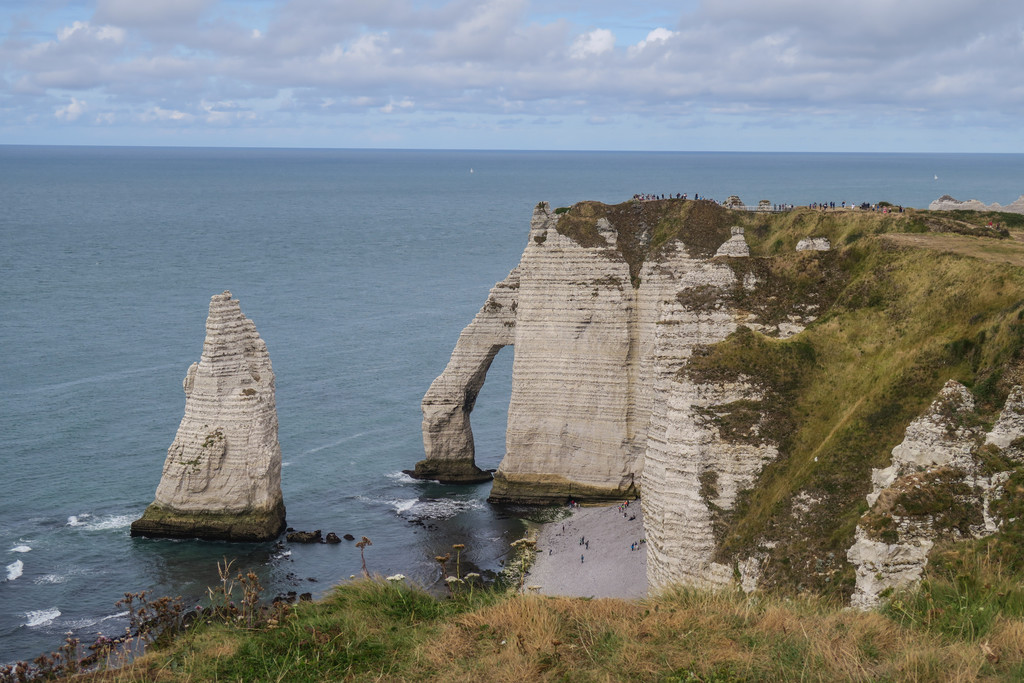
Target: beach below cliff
[610,563]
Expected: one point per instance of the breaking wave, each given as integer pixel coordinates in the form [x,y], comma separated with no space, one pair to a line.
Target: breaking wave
[15,569]
[110,522]
[433,508]
[41,617]
[400,477]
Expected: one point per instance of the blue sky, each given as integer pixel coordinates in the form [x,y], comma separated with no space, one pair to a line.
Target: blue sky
[730,75]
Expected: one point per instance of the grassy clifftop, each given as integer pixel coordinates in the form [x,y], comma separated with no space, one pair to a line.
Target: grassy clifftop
[964,625]
[904,302]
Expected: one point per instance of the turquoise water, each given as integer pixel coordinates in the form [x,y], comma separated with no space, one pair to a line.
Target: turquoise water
[359,269]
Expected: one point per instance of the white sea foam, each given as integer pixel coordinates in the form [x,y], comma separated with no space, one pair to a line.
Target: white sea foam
[404,505]
[49,579]
[20,549]
[401,477]
[76,520]
[110,522]
[443,508]
[439,508]
[41,617]
[15,569]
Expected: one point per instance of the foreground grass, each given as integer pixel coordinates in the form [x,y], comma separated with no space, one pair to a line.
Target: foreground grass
[965,623]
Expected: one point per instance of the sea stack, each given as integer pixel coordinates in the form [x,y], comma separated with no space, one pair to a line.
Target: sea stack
[222,476]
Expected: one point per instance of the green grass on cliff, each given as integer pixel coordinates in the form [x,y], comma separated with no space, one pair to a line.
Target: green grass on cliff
[964,624]
[904,302]
[895,324]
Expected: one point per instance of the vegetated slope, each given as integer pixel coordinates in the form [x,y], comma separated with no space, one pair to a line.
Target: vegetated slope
[895,324]
[904,301]
[955,629]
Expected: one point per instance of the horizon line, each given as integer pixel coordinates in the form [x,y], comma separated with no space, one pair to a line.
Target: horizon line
[485,149]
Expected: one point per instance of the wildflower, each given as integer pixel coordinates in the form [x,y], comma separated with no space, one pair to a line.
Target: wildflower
[454,579]
[472,575]
[459,546]
[396,577]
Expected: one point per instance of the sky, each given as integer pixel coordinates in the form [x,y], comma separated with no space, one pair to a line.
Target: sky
[700,75]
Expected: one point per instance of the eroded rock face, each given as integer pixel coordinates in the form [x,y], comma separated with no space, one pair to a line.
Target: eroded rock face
[447,435]
[935,488]
[598,405]
[814,244]
[735,246]
[222,475]
[947,203]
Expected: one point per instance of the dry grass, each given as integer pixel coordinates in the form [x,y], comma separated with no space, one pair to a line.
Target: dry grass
[994,251]
[689,635]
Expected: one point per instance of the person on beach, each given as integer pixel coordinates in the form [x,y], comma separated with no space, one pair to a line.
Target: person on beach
[581,559]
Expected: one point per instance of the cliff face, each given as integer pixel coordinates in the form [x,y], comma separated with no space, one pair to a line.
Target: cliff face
[746,390]
[940,486]
[947,203]
[222,475]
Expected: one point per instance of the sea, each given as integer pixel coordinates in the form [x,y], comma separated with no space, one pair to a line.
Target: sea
[359,269]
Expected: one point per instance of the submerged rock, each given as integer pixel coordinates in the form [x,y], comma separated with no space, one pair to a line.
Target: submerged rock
[222,476]
[305,537]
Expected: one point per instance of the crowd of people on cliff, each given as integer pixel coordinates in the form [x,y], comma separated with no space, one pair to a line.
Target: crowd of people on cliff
[821,206]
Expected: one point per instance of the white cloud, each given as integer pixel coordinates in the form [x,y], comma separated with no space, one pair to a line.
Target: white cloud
[151,12]
[658,35]
[311,62]
[70,111]
[403,104]
[596,42]
[113,34]
[159,114]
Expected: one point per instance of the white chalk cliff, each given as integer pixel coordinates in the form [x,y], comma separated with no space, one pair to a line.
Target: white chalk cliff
[948,203]
[598,409]
[222,475]
[615,314]
[936,488]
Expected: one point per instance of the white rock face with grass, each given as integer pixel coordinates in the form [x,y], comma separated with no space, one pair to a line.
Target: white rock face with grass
[814,244]
[736,246]
[222,475]
[610,312]
[948,203]
[597,405]
[937,487]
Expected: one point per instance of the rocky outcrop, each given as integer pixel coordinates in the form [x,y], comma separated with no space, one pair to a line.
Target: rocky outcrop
[598,405]
[814,244]
[937,487]
[222,475]
[947,203]
[735,246]
[649,356]
[447,435]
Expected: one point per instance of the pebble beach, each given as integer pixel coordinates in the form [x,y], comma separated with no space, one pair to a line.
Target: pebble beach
[614,558]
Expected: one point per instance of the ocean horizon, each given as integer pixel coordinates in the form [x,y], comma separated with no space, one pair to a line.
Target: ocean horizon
[359,268]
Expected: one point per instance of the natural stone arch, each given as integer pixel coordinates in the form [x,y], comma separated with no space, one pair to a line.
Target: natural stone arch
[447,434]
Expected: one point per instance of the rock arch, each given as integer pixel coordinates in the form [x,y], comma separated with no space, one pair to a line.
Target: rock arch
[447,435]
